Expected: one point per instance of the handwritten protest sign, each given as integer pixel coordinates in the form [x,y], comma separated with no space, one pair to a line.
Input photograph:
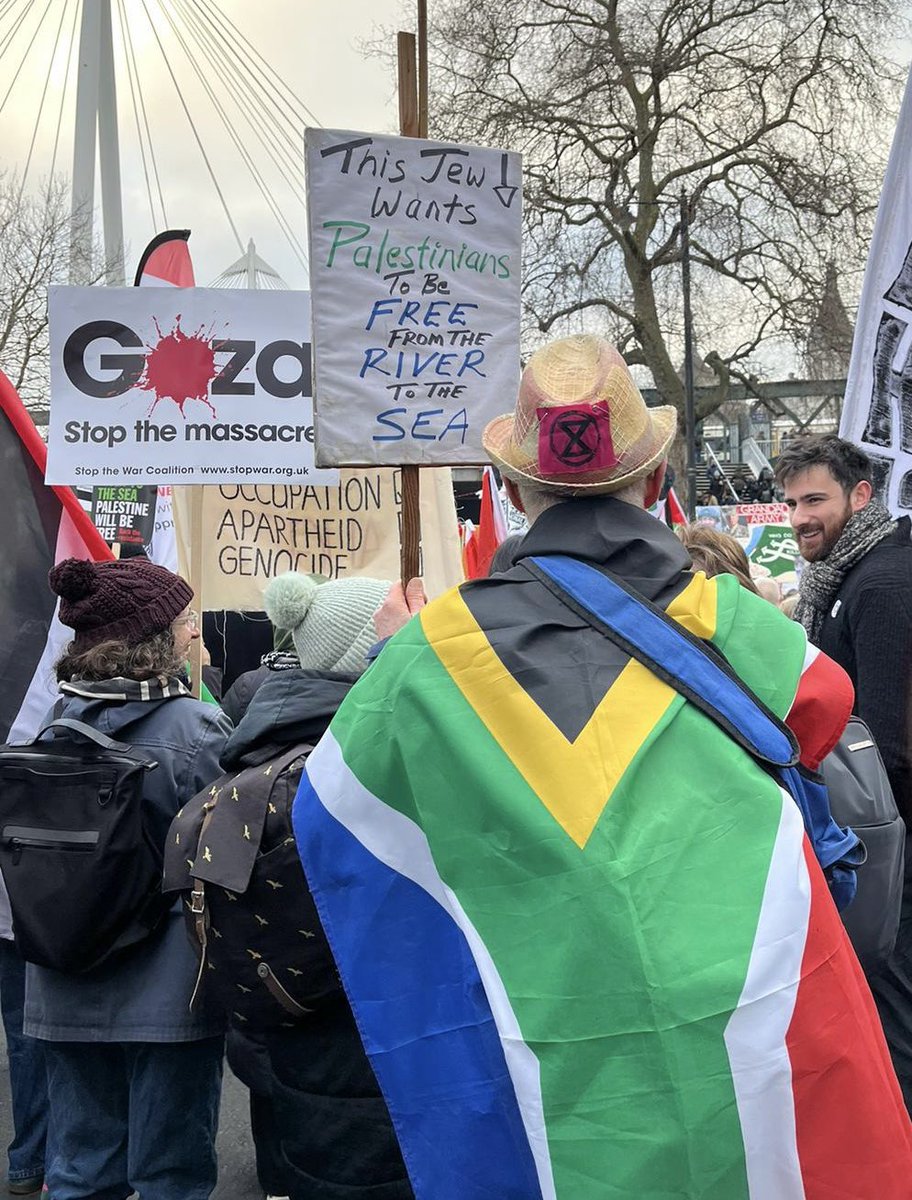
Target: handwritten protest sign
[253,532]
[415,273]
[180,385]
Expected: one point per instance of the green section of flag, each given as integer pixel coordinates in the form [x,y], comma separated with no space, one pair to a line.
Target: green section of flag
[623,961]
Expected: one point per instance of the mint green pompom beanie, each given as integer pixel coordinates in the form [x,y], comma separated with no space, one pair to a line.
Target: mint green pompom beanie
[331,623]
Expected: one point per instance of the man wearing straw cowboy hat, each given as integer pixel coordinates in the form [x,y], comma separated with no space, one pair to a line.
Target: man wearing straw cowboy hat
[589,948]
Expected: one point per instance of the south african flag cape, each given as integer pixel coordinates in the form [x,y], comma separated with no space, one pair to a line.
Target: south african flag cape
[602,967]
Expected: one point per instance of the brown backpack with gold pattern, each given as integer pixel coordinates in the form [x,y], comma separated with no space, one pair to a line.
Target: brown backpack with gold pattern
[264,959]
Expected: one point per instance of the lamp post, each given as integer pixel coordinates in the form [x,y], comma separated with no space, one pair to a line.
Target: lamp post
[689,417]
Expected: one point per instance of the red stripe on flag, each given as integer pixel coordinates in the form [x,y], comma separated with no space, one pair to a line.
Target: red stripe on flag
[673,510]
[822,705]
[853,1132]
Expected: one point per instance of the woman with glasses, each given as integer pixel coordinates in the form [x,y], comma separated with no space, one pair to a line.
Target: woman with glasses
[133,1076]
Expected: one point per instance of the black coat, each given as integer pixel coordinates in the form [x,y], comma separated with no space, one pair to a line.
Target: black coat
[336,1137]
[868,631]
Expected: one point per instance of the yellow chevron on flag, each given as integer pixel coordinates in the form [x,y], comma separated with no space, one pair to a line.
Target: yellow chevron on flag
[574,780]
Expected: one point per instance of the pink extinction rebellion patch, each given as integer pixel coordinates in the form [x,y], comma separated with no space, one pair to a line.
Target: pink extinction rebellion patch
[575,437]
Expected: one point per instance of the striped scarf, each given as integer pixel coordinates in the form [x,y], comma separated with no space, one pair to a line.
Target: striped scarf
[121,691]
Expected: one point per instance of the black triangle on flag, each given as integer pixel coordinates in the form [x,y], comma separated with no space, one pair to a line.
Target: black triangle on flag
[41,526]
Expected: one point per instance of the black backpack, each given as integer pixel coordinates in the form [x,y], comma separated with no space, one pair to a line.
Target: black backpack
[861,797]
[82,873]
[264,959]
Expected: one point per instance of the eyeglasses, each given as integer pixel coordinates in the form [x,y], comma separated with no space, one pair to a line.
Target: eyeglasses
[191,618]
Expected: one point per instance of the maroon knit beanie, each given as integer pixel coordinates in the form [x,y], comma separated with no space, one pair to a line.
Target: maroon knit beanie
[128,599]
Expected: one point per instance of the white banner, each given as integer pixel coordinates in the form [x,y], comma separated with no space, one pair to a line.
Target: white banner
[180,385]
[415,273]
[877,413]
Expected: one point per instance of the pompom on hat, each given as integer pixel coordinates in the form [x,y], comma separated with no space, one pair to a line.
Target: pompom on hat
[128,599]
[581,426]
[331,623]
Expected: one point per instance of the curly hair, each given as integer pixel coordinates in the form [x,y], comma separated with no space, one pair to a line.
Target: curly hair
[154,658]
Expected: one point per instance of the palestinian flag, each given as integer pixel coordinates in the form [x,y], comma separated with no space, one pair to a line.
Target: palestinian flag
[42,525]
[598,967]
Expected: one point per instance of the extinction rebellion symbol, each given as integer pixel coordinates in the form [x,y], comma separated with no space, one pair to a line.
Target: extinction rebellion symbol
[575,438]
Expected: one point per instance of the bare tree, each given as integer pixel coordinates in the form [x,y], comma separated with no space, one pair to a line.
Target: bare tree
[34,253]
[771,117]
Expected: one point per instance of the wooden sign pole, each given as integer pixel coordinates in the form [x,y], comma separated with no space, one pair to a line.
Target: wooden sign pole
[412,123]
[196,582]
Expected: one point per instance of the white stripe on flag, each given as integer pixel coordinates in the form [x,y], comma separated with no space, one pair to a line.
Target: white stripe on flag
[398,843]
[756,1031]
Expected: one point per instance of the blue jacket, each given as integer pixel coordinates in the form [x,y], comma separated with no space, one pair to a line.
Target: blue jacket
[143,994]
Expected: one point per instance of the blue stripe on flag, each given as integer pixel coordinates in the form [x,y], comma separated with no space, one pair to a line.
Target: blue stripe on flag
[424,1018]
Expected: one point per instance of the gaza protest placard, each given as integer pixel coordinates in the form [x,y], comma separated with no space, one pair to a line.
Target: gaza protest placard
[180,385]
[764,533]
[125,514]
[253,532]
[415,276]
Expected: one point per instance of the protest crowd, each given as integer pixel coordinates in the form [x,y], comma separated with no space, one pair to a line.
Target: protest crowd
[532,890]
[558,852]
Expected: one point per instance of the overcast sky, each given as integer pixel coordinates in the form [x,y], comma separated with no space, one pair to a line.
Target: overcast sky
[312,44]
[315,45]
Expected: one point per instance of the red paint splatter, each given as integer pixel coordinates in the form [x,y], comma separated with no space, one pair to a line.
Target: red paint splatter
[180,367]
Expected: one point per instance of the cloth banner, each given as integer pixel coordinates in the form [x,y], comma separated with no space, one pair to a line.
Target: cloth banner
[877,412]
[253,532]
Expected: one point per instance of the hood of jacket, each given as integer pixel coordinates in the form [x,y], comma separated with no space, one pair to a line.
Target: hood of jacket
[291,706]
[115,717]
[611,533]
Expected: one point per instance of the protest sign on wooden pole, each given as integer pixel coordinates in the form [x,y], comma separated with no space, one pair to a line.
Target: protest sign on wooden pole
[410,125]
[415,251]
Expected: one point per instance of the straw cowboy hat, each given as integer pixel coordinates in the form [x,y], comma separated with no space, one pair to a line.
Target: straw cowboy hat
[580,425]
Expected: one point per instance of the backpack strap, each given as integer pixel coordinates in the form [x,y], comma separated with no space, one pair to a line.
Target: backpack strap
[93,735]
[645,632]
